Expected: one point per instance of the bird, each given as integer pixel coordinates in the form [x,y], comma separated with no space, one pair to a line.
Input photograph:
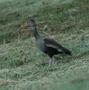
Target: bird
[47,45]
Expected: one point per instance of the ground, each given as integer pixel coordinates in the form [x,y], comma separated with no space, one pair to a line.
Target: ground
[23,66]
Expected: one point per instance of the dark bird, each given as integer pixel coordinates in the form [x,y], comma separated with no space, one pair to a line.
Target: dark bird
[46,45]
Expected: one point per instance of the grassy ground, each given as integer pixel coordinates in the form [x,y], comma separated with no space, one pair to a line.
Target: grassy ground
[21,65]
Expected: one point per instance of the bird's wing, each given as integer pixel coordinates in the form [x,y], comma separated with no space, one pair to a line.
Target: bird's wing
[52,43]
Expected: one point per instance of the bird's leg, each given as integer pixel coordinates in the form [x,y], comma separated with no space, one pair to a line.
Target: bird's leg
[53,61]
[50,62]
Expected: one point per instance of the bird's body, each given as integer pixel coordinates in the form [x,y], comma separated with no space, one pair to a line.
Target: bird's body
[51,47]
[46,45]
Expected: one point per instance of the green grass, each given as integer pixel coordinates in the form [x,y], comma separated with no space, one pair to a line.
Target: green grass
[23,66]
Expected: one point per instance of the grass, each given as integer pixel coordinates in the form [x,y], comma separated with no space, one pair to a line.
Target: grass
[23,66]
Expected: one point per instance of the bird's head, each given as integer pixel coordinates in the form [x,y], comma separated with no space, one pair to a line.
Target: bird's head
[30,25]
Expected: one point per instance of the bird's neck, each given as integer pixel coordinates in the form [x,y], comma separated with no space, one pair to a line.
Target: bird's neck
[36,34]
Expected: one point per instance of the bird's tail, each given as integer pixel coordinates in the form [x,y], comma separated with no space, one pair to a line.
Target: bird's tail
[66,51]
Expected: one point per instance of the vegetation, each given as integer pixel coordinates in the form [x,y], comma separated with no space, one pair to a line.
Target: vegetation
[23,66]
